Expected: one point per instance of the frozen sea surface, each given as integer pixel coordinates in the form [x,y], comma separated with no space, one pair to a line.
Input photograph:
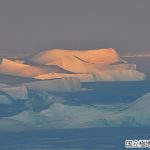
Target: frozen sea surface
[72,139]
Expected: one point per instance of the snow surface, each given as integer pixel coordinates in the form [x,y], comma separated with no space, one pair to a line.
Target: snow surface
[106,56]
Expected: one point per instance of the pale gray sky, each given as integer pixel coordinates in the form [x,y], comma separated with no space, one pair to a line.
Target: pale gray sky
[27,25]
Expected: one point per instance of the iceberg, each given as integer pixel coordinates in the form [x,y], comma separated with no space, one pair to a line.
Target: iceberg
[104,64]
[138,112]
[86,65]
[119,75]
[68,84]
[16,92]
[59,115]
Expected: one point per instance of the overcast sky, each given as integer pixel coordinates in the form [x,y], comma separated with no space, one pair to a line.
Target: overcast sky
[33,25]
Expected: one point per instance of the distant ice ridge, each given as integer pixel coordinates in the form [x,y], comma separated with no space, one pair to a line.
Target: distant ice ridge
[86,65]
[60,115]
